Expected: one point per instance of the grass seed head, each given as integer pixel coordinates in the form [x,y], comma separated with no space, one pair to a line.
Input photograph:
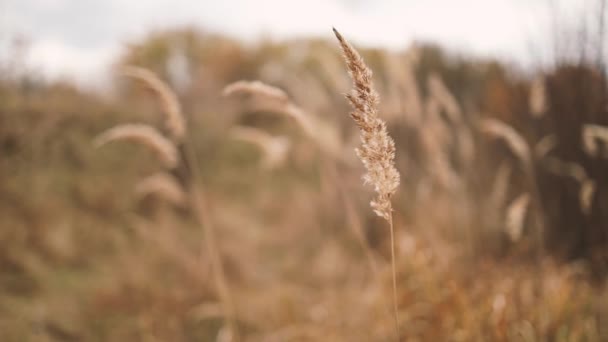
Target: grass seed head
[377,150]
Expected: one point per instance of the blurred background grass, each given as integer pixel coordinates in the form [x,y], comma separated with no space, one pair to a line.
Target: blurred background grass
[84,259]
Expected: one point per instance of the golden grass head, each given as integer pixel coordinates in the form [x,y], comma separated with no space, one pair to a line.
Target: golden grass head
[175,122]
[377,151]
[145,135]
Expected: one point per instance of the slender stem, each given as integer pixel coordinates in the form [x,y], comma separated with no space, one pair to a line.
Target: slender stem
[202,214]
[390,221]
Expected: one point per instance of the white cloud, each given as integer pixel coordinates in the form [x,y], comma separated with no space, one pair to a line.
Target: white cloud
[76,37]
[85,66]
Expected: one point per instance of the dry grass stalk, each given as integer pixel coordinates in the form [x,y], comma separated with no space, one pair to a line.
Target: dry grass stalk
[183,165]
[444,98]
[516,215]
[377,151]
[175,121]
[592,136]
[517,144]
[538,98]
[163,185]
[275,148]
[145,135]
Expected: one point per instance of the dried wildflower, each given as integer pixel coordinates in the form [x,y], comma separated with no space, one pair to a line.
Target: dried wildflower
[377,151]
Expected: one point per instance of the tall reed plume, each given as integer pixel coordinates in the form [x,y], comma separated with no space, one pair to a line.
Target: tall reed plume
[377,150]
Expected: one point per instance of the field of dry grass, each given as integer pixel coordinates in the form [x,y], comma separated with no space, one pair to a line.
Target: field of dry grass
[230,206]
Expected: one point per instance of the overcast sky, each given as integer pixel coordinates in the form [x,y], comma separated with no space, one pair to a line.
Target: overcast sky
[81,37]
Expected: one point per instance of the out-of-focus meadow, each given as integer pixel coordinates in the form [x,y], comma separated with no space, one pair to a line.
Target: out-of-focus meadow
[501,218]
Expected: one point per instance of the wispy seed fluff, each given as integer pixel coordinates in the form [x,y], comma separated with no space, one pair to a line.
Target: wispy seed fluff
[377,150]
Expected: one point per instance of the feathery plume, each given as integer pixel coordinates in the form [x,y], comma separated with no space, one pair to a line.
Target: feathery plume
[377,151]
[163,185]
[275,148]
[145,135]
[174,121]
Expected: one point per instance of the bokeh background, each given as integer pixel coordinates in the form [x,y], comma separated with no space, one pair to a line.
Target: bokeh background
[499,114]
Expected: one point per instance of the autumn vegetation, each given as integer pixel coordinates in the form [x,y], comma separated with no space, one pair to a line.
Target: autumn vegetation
[214,194]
